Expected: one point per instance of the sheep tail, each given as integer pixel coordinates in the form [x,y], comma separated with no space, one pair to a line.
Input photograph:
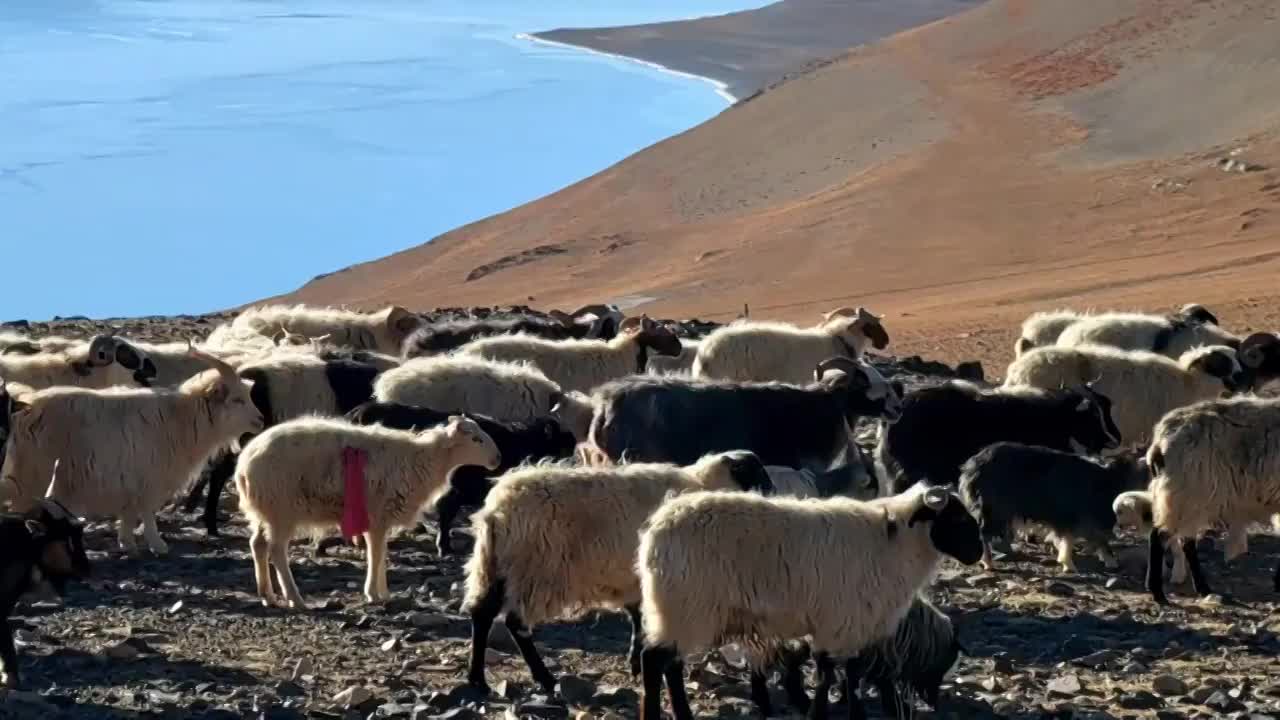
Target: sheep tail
[482,566]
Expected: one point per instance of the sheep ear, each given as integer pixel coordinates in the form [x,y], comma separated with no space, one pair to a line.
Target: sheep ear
[557,398]
[218,392]
[36,529]
[401,320]
[1215,364]
[631,324]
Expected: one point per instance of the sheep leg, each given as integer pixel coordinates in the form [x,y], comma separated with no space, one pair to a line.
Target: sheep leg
[323,544]
[1155,565]
[151,534]
[986,562]
[221,472]
[193,496]
[1178,575]
[524,640]
[278,551]
[482,616]
[1236,543]
[674,675]
[8,657]
[760,693]
[826,671]
[124,534]
[793,679]
[1275,580]
[446,509]
[653,666]
[375,582]
[1065,556]
[852,679]
[1198,581]
[1105,554]
[637,638]
[261,566]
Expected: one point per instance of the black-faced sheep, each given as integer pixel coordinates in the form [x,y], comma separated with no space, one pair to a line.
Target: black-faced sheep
[674,419]
[944,425]
[786,353]
[445,335]
[1170,335]
[1260,357]
[296,475]
[1142,386]
[554,541]
[583,365]
[1006,485]
[723,567]
[103,362]
[125,452]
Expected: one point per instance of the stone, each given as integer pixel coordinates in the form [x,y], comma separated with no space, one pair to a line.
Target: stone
[1169,685]
[991,685]
[1002,664]
[1111,583]
[1201,695]
[175,608]
[576,690]
[617,695]
[500,639]
[302,668]
[1099,659]
[982,580]
[1170,715]
[1223,702]
[1059,589]
[394,710]
[122,651]
[353,697]
[1140,700]
[288,688]
[458,713]
[391,644]
[1065,686]
[544,711]
[429,621]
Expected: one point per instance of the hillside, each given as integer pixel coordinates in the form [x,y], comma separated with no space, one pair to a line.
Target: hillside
[1016,156]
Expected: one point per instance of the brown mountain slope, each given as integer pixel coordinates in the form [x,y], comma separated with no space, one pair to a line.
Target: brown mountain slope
[1018,156]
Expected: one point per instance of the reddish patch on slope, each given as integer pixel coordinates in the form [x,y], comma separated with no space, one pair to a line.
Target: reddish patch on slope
[1092,58]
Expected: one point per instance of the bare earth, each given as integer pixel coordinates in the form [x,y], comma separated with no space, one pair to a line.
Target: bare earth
[1014,157]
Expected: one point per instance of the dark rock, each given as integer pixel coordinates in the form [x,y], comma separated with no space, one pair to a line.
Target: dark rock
[1140,700]
[289,689]
[1222,702]
[500,639]
[1099,659]
[1059,589]
[543,711]
[1002,664]
[970,370]
[1066,686]
[576,690]
[1168,685]
[613,695]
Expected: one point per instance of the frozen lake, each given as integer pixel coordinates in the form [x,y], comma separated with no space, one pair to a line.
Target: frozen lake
[180,156]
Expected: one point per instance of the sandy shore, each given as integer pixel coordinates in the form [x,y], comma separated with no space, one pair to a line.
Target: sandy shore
[751,50]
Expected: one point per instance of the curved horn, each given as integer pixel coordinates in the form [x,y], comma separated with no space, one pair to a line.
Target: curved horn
[1251,352]
[839,362]
[561,317]
[935,498]
[598,308]
[840,312]
[227,372]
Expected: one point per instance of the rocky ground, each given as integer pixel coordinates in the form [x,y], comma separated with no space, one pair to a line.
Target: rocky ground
[185,637]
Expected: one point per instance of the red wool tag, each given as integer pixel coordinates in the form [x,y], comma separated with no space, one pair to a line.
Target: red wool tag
[355,513]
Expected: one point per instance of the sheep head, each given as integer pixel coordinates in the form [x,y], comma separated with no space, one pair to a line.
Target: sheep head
[858,326]
[132,358]
[473,444]
[102,350]
[869,392]
[400,323]
[1195,312]
[952,530]
[230,393]
[658,338]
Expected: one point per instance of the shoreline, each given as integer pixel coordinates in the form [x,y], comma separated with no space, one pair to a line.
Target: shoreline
[720,87]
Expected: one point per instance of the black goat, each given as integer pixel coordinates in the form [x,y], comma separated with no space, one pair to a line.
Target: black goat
[678,420]
[445,335]
[944,425]
[1007,484]
[44,543]
[469,484]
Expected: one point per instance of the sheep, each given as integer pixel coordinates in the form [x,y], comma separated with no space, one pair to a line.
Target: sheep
[673,419]
[582,365]
[1170,335]
[469,485]
[126,451]
[292,476]
[786,353]
[18,344]
[383,331]
[289,384]
[717,567]
[681,364]
[1141,385]
[1133,511]
[1042,329]
[915,660]
[851,479]
[1260,357]
[1211,462]
[1008,484]
[510,392]
[944,425]
[105,361]
[554,541]
[446,335]
[44,543]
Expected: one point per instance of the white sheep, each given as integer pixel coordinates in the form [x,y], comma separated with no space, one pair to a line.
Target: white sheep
[1133,511]
[1170,335]
[1212,463]
[582,365]
[555,541]
[717,567]
[512,392]
[1142,386]
[292,477]
[1042,329]
[779,351]
[383,331]
[125,452]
